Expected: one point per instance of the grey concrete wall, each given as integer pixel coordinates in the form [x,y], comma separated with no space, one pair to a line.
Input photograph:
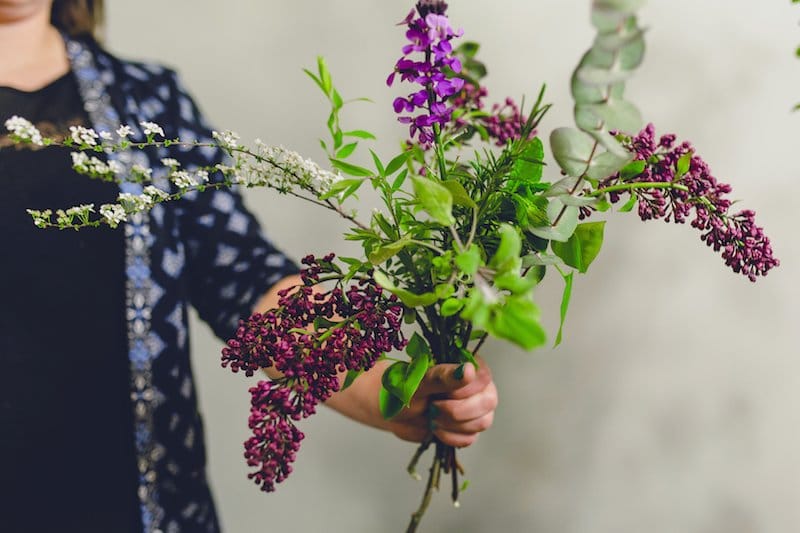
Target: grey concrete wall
[672,406]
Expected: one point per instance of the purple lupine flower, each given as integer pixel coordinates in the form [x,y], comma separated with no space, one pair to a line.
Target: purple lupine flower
[309,339]
[744,246]
[429,34]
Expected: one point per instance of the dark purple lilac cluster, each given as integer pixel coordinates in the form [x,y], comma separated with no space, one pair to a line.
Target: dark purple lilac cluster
[502,124]
[430,34]
[310,338]
[745,248]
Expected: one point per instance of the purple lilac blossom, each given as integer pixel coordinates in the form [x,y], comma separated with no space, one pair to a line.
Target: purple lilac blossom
[744,246]
[427,108]
[354,327]
[502,124]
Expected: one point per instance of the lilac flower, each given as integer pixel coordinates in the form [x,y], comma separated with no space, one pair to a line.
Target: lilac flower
[744,246]
[309,339]
[429,34]
[503,123]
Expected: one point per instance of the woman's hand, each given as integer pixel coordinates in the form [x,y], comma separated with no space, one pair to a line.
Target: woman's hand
[457,409]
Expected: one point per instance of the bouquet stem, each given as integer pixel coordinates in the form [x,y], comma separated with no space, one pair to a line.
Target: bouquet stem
[444,461]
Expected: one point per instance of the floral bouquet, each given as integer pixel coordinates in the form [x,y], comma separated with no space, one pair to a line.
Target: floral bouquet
[469,223]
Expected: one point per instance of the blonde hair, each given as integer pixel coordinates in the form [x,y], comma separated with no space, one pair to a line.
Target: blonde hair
[77,17]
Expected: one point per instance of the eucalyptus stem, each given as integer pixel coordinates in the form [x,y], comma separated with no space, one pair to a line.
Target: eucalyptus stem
[639,185]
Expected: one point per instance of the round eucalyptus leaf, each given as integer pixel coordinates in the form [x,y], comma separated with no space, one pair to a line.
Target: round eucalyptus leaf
[601,77]
[591,94]
[571,149]
[614,42]
[609,142]
[605,164]
[617,115]
[620,6]
[632,54]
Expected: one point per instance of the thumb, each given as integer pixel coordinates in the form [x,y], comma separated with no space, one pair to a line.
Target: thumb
[445,378]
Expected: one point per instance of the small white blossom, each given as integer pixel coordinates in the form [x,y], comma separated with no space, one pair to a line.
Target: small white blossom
[24,129]
[124,131]
[145,172]
[105,135]
[40,218]
[183,179]
[115,166]
[202,176]
[114,214]
[170,162]
[83,135]
[155,193]
[151,128]
[227,139]
[133,202]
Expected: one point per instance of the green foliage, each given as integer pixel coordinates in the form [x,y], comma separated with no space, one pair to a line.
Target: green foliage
[582,247]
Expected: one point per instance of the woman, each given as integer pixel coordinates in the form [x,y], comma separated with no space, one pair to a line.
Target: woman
[99,429]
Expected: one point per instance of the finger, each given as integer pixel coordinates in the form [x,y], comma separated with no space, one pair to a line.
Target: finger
[469,427]
[459,440]
[454,411]
[455,380]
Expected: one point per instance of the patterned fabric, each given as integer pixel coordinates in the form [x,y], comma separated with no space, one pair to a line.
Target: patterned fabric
[206,250]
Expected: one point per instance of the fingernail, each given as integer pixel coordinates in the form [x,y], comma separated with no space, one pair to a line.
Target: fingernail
[458,373]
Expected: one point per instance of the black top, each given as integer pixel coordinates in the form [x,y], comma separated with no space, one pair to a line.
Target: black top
[67,457]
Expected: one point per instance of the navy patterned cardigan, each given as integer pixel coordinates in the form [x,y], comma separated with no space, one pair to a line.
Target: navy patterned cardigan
[206,250]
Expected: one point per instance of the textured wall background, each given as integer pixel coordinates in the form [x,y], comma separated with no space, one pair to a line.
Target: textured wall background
[673,404]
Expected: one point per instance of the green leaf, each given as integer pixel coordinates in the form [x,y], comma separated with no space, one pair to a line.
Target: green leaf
[582,247]
[350,169]
[517,320]
[378,165]
[683,165]
[345,151]
[350,378]
[528,167]
[632,170]
[336,99]
[451,306]
[360,134]
[571,149]
[407,297]
[564,305]
[389,404]
[396,163]
[402,378]
[469,260]
[435,200]
[324,75]
[506,257]
[341,186]
[459,194]
[418,347]
[629,205]
[470,48]
[316,80]
[399,180]
[382,253]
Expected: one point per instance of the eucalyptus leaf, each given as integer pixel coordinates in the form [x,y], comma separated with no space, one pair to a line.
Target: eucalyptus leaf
[614,115]
[571,149]
[610,143]
[605,164]
[601,77]
[567,222]
[541,259]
